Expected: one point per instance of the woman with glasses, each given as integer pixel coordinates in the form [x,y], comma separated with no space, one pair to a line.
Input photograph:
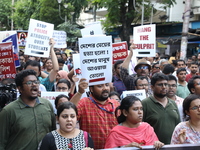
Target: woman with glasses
[188,131]
[131,131]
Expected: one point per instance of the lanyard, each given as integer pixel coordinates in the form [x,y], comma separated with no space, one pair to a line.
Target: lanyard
[108,111]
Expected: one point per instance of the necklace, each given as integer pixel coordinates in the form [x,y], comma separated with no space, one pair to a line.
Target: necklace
[196,132]
[111,111]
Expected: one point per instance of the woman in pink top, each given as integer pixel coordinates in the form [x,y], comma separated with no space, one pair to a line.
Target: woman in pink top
[189,131]
[131,131]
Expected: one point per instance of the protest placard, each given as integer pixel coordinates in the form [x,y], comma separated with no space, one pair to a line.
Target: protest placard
[141,94]
[13,39]
[93,28]
[51,96]
[96,59]
[22,36]
[60,38]
[145,40]
[39,34]
[7,64]
[5,34]
[120,51]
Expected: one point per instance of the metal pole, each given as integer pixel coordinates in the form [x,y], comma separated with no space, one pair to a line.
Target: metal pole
[151,15]
[186,21]
[142,19]
[12,26]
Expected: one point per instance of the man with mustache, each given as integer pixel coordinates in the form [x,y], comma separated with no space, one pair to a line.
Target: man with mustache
[27,120]
[193,70]
[159,111]
[142,69]
[172,84]
[96,112]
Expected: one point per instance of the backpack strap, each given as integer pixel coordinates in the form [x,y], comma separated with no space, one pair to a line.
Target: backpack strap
[85,138]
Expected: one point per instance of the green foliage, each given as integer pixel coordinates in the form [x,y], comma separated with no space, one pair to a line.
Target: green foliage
[5,14]
[72,30]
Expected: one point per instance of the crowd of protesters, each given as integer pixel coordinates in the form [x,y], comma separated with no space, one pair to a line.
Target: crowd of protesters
[170,113]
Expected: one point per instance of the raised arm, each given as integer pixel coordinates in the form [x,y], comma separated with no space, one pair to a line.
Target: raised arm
[53,73]
[127,60]
[83,84]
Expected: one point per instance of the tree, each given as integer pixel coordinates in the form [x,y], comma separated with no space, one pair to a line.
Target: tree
[122,13]
[5,14]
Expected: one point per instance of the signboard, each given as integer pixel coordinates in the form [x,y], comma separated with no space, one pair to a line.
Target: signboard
[7,65]
[5,34]
[145,40]
[93,28]
[60,37]
[13,39]
[39,34]
[51,96]
[141,94]
[120,51]
[96,59]
[22,39]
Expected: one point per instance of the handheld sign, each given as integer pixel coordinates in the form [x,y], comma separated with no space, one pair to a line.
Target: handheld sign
[96,59]
[7,67]
[13,38]
[38,38]
[51,96]
[93,28]
[60,38]
[138,93]
[145,40]
[22,36]
[120,51]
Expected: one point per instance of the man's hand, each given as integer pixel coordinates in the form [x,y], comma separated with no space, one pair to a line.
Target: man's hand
[83,84]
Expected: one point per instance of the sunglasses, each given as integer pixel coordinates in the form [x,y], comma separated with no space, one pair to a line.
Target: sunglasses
[143,67]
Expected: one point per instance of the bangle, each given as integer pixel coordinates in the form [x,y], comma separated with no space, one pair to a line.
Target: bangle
[79,93]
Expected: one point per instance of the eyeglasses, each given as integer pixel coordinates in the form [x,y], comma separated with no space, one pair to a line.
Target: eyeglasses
[143,67]
[197,84]
[162,84]
[157,67]
[172,85]
[29,83]
[143,85]
[61,88]
[195,107]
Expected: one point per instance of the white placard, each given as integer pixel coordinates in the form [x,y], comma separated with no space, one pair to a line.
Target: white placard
[145,40]
[39,34]
[96,59]
[60,38]
[94,28]
[51,96]
[141,94]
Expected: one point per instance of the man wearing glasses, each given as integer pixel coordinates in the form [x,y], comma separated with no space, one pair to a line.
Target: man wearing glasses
[172,84]
[194,85]
[159,111]
[27,120]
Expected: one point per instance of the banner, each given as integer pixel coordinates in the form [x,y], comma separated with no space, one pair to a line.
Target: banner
[13,39]
[51,96]
[145,40]
[96,59]
[120,51]
[141,94]
[93,28]
[39,34]
[60,37]
[22,39]
[7,64]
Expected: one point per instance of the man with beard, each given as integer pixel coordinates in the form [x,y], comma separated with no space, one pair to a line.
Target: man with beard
[182,89]
[172,84]
[27,120]
[96,112]
[193,70]
[194,85]
[159,111]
